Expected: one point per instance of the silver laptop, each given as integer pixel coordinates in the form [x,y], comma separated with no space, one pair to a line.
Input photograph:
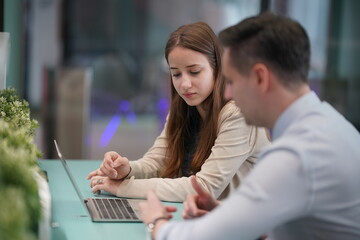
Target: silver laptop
[105,209]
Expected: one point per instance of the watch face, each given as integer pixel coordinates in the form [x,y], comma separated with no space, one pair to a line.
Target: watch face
[150,227]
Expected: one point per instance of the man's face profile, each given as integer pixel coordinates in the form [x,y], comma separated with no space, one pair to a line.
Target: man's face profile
[238,87]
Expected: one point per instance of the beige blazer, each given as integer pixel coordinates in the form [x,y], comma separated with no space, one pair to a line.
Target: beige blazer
[233,155]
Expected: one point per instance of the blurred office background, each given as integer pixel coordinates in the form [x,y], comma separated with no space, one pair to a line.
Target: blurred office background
[96,79]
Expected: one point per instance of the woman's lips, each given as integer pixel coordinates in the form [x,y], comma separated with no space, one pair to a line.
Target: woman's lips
[189,95]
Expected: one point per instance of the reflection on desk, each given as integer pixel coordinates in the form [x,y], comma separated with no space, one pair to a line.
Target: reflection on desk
[70,219]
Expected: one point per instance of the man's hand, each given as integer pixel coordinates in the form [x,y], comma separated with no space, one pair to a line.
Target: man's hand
[153,209]
[113,166]
[199,204]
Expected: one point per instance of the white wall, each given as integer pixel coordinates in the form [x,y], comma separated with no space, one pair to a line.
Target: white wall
[4,56]
[44,44]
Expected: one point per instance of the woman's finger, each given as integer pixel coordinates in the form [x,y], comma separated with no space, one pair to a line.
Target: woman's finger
[108,170]
[96,189]
[99,184]
[95,173]
[91,174]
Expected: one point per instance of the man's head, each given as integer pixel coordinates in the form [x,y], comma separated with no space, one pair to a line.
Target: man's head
[263,53]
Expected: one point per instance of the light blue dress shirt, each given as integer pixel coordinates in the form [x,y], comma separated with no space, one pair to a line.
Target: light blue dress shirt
[305,186]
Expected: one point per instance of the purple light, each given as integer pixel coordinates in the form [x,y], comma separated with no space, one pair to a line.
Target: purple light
[110,131]
[124,106]
[163,104]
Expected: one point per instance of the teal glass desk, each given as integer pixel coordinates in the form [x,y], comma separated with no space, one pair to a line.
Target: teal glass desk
[70,220]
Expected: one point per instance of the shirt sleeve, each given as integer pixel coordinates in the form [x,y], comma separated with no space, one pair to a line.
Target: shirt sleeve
[275,192]
[233,146]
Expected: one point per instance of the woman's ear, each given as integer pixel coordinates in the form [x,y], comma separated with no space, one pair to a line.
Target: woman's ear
[262,76]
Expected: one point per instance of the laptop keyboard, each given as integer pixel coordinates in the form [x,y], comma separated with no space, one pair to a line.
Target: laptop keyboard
[114,208]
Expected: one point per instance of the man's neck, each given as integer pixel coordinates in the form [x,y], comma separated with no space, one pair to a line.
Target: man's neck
[282,99]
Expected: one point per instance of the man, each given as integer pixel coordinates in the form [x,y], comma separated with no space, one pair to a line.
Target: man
[306,184]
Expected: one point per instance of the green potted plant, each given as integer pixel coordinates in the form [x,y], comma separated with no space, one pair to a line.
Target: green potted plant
[20,176]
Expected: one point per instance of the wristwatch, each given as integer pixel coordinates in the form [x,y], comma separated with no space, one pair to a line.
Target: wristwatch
[150,226]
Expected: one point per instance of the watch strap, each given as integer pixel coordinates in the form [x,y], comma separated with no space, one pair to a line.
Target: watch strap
[151,225]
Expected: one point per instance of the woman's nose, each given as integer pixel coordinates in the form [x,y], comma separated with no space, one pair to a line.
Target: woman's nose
[186,82]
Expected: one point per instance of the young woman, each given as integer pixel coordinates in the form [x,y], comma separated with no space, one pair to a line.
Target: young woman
[204,135]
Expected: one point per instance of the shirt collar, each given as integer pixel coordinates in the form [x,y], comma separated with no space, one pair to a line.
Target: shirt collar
[291,113]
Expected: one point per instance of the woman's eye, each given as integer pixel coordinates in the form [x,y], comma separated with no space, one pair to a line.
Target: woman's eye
[195,72]
[176,74]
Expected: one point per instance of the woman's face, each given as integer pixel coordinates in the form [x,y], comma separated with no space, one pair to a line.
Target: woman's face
[191,74]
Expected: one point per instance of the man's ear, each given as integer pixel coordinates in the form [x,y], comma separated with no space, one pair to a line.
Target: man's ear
[262,76]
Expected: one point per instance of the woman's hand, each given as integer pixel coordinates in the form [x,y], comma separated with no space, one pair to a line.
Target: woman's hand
[98,183]
[113,166]
[198,204]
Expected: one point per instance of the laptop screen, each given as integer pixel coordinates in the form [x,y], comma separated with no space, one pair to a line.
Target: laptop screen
[67,169]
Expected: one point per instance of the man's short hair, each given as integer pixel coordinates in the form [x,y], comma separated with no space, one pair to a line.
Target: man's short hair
[279,42]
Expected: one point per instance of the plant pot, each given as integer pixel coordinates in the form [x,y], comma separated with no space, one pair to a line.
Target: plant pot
[45,201]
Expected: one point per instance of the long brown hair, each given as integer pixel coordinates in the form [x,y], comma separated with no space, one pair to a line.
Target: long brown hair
[198,37]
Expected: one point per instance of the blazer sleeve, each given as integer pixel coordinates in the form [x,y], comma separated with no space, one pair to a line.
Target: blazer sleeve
[233,147]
